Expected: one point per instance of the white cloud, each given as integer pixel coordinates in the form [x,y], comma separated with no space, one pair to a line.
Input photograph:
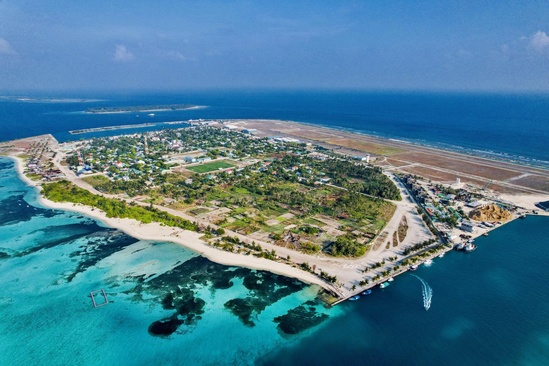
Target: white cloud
[175,55]
[539,41]
[463,53]
[6,48]
[122,54]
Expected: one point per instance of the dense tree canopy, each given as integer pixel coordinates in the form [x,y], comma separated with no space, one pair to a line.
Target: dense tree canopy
[64,191]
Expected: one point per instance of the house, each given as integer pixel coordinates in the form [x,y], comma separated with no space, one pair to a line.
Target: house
[467,226]
[365,159]
[474,204]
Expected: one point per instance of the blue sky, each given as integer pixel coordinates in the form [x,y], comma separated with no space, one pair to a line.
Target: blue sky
[146,45]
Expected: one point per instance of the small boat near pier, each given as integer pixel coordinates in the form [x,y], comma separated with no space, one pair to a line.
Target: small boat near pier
[470,247]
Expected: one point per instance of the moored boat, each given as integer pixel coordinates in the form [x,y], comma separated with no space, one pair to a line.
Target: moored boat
[413,267]
[470,247]
[354,298]
[460,246]
[367,292]
[384,284]
[390,279]
[428,262]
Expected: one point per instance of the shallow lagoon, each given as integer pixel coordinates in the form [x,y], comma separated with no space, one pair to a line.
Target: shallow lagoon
[52,260]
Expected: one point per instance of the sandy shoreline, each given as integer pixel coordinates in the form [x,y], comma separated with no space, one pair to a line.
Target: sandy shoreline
[349,271]
[185,238]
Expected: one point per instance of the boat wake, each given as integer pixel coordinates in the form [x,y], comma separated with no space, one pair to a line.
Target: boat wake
[427,292]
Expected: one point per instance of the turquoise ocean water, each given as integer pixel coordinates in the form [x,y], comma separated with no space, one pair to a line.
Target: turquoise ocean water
[51,260]
[488,307]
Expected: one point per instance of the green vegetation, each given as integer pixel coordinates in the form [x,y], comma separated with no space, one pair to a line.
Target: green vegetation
[64,191]
[301,196]
[96,180]
[210,167]
[346,245]
[418,247]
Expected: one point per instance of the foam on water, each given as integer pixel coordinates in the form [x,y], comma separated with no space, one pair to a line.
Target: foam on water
[426,292]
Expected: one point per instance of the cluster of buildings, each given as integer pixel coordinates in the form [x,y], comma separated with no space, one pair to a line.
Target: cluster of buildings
[438,204]
[39,162]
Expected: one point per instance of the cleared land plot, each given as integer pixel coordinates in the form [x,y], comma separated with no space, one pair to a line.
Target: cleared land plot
[534,181]
[210,167]
[96,180]
[366,146]
[439,176]
[267,215]
[396,163]
[458,165]
[509,190]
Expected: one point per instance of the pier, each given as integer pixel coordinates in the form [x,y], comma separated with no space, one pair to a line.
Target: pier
[125,127]
[102,292]
[384,279]
[110,128]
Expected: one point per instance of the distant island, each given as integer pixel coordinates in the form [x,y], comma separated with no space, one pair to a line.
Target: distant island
[142,108]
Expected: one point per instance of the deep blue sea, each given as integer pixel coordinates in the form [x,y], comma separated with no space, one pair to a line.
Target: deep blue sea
[515,126]
[488,307]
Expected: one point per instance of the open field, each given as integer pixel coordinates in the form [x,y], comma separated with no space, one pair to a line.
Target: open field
[534,181]
[210,167]
[457,165]
[440,176]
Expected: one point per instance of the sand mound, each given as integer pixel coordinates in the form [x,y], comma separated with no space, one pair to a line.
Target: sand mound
[490,213]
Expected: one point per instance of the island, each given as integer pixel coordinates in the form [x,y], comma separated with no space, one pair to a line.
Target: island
[340,210]
[142,108]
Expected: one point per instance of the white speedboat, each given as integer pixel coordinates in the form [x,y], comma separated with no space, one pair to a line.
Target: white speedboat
[470,247]
[384,284]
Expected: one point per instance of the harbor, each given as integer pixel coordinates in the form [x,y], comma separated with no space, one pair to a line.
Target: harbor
[385,281]
[125,127]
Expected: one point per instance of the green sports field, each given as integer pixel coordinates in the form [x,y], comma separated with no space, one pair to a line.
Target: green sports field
[210,167]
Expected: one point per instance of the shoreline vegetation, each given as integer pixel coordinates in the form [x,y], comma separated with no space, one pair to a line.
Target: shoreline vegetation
[402,240]
[64,191]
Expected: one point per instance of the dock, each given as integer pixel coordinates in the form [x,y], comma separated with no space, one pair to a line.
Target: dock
[101,292]
[383,279]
